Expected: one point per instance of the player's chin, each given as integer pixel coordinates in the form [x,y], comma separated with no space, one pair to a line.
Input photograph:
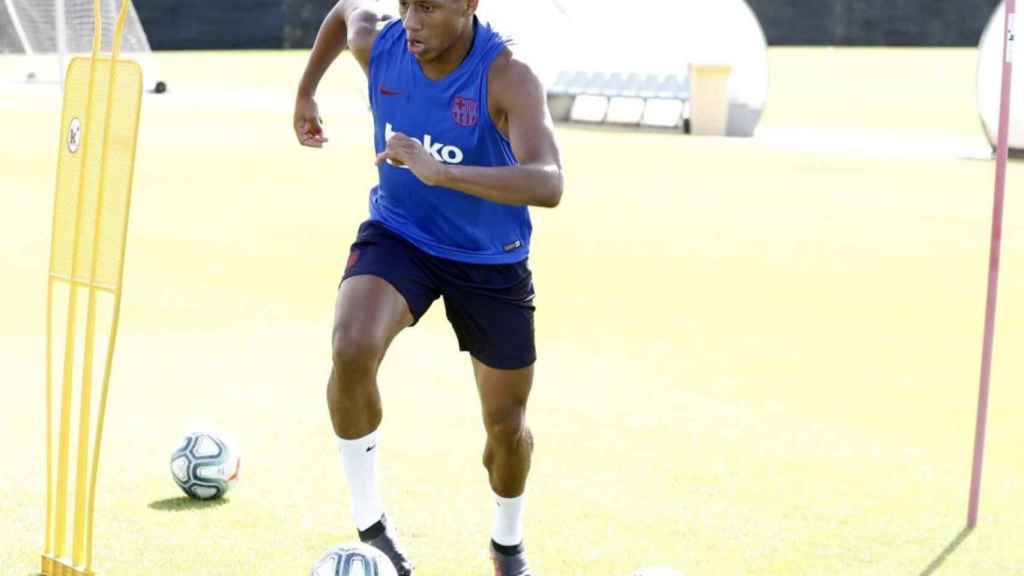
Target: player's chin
[424,54]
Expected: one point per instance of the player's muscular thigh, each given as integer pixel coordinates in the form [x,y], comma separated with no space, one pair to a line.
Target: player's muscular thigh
[368,315]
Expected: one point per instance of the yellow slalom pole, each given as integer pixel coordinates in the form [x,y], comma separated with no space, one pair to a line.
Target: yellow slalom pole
[85,410]
[84,420]
[99,430]
[112,340]
[48,546]
[65,429]
[94,138]
[69,348]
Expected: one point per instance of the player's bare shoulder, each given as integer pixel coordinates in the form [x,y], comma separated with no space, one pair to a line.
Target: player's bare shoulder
[511,82]
[363,20]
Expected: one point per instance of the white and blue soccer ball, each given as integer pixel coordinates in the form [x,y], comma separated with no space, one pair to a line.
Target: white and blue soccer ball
[354,559]
[204,465]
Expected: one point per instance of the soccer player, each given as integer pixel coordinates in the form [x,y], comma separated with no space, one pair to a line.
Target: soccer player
[464,145]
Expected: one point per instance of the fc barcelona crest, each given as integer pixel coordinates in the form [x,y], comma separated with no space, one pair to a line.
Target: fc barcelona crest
[465,111]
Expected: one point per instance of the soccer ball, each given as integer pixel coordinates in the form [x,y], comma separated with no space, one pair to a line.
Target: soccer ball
[354,559]
[204,466]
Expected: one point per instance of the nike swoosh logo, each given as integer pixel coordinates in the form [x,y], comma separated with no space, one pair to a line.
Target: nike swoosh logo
[370,449]
[385,92]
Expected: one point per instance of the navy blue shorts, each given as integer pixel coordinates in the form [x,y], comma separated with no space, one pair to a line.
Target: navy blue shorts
[489,306]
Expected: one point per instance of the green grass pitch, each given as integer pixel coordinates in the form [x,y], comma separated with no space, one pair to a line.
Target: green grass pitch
[756,357]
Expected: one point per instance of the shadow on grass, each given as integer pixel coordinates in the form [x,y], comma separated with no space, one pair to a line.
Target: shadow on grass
[947,552]
[185,503]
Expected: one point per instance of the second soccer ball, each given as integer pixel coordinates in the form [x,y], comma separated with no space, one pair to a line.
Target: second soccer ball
[204,466]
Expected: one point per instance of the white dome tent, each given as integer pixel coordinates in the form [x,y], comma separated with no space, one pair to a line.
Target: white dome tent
[585,48]
[990,78]
[597,53]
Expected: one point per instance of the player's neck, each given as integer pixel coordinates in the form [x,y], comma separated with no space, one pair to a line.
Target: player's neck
[450,59]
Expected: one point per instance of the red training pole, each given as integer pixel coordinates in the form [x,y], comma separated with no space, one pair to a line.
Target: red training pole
[1002,154]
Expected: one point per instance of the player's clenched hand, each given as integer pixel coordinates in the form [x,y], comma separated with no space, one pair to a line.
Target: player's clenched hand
[309,126]
[402,150]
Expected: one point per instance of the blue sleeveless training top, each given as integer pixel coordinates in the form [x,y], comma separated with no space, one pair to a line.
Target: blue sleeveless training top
[450,118]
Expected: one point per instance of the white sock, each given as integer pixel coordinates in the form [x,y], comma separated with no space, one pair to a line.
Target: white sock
[508,520]
[359,458]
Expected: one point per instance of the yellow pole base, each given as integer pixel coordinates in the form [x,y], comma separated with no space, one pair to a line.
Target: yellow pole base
[62,567]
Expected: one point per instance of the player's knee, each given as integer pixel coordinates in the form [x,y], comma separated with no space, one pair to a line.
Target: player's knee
[507,427]
[355,352]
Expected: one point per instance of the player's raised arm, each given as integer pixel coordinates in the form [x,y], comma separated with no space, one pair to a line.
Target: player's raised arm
[519,109]
[350,24]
